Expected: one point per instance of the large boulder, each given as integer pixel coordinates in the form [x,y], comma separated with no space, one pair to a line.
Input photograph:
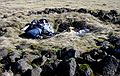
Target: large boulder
[108,66]
[94,55]
[3,52]
[67,68]
[14,55]
[39,60]
[118,71]
[67,53]
[24,65]
[15,67]
[36,71]
[116,53]
[27,73]
[47,70]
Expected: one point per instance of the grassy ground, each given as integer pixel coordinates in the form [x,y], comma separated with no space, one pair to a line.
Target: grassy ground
[21,7]
[17,5]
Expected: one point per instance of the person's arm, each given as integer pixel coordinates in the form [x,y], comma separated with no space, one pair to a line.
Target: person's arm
[26,27]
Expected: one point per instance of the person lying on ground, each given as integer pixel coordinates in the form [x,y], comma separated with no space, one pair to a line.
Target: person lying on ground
[38,29]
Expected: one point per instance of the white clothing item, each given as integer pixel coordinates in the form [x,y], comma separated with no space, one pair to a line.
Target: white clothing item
[25,27]
[82,32]
[48,28]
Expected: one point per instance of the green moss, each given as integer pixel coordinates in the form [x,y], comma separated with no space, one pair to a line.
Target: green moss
[34,65]
[91,48]
[34,46]
[111,46]
[85,67]
[55,49]
[111,34]
[100,39]
[21,42]
[9,50]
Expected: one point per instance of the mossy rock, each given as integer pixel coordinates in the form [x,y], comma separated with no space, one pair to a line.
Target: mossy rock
[55,49]
[91,48]
[100,39]
[33,46]
[34,65]
[85,68]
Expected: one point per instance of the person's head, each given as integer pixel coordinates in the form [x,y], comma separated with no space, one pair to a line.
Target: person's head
[43,21]
[34,22]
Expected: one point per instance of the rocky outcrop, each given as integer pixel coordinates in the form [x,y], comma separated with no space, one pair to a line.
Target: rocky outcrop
[69,62]
[107,16]
[29,58]
[67,68]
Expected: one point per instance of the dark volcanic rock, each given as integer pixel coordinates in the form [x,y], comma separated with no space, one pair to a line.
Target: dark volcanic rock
[94,55]
[36,71]
[82,10]
[67,53]
[63,27]
[40,60]
[118,70]
[46,53]
[31,12]
[113,12]
[101,13]
[67,68]
[3,53]
[79,25]
[27,73]
[48,70]
[108,66]
[16,67]
[113,39]
[117,20]
[56,10]
[116,53]
[2,31]
[87,58]
[106,16]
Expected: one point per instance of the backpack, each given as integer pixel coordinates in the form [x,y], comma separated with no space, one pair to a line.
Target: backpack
[34,33]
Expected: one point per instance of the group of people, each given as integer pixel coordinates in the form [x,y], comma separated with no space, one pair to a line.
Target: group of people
[38,29]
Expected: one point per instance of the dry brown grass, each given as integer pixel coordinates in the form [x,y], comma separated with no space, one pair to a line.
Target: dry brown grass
[20,9]
[17,5]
